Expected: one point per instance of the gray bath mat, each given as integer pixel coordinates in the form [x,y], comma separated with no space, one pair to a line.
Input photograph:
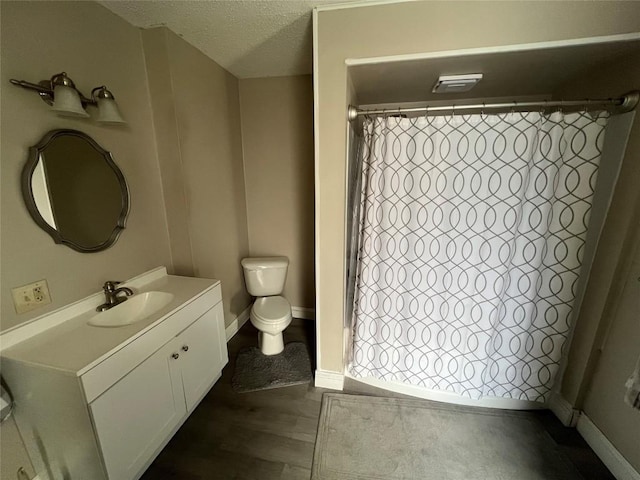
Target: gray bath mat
[255,371]
[362,437]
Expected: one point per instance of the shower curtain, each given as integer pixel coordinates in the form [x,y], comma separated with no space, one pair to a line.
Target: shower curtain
[472,229]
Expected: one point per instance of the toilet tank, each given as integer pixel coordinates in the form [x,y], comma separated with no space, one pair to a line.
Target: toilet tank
[265,276]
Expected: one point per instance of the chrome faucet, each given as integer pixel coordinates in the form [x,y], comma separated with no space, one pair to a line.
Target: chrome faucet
[111,294]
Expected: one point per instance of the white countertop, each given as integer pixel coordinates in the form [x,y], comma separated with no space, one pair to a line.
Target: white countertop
[75,347]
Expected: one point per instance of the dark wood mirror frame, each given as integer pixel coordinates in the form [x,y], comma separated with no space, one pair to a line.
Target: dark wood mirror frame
[27,191]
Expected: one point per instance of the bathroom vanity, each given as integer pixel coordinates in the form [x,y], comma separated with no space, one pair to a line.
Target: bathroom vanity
[96,400]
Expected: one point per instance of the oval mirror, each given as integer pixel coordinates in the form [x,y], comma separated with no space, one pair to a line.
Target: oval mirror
[74,191]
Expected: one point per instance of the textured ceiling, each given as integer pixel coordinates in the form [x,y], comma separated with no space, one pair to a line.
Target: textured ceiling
[250,38]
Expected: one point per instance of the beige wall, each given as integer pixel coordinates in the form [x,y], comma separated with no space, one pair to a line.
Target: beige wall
[617,77]
[277,139]
[604,403]
[405,28]
[202,146]
[168,146]
[605,344]
[94,47]
[28,253]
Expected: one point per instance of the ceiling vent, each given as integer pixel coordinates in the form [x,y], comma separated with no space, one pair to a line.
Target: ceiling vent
[456,83]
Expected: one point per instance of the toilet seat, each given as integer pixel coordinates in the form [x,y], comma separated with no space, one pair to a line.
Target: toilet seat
[271,310]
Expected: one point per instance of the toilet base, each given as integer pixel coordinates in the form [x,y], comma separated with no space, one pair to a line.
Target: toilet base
[270,344]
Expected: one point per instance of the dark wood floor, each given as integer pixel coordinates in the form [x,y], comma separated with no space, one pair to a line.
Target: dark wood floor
[270,434]
[263,435]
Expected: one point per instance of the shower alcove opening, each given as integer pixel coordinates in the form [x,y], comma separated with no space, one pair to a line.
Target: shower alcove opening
[529,74]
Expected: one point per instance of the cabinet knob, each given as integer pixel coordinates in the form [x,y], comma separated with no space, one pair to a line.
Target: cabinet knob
[175,356]
[185,348]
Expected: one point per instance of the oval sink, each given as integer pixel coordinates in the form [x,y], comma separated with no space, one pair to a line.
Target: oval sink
[133,310]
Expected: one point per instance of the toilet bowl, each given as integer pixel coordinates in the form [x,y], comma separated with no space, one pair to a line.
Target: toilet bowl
[270,313]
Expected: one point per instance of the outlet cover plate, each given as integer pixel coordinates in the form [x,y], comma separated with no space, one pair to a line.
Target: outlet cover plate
[31,296]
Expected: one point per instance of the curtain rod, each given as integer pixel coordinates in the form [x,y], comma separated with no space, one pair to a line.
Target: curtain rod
[623,104]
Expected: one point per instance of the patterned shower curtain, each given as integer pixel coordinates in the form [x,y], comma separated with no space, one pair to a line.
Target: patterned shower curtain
[472,231]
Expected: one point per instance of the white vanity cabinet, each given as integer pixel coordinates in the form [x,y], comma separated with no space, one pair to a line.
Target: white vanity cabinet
[106,410]
[151,400]
[134,417]
[200,365]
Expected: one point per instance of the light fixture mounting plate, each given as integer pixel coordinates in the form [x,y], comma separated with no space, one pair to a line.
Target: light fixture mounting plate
[46,96]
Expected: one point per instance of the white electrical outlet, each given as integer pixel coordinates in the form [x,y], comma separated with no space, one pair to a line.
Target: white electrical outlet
[30,297]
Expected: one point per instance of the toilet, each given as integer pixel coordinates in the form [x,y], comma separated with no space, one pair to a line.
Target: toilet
[270,313]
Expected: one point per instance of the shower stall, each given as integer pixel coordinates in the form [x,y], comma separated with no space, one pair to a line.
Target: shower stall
[472,225]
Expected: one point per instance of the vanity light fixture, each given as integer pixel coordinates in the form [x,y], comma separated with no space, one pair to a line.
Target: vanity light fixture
[65,99]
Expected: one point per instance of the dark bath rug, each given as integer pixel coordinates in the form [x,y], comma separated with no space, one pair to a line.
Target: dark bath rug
[256,371]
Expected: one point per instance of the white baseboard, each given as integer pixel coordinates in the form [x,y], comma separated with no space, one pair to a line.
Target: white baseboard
[304,313]
[563,410]
[296,312]
[237,324]
[331,380]
[610,456]
[446,397]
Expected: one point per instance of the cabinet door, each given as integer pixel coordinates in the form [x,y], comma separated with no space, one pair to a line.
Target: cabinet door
[203,354]
[136,415]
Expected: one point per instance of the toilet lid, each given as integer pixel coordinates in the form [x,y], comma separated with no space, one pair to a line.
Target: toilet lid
[272,308]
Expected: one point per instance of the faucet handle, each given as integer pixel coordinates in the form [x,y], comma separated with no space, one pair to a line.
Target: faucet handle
[110,285]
